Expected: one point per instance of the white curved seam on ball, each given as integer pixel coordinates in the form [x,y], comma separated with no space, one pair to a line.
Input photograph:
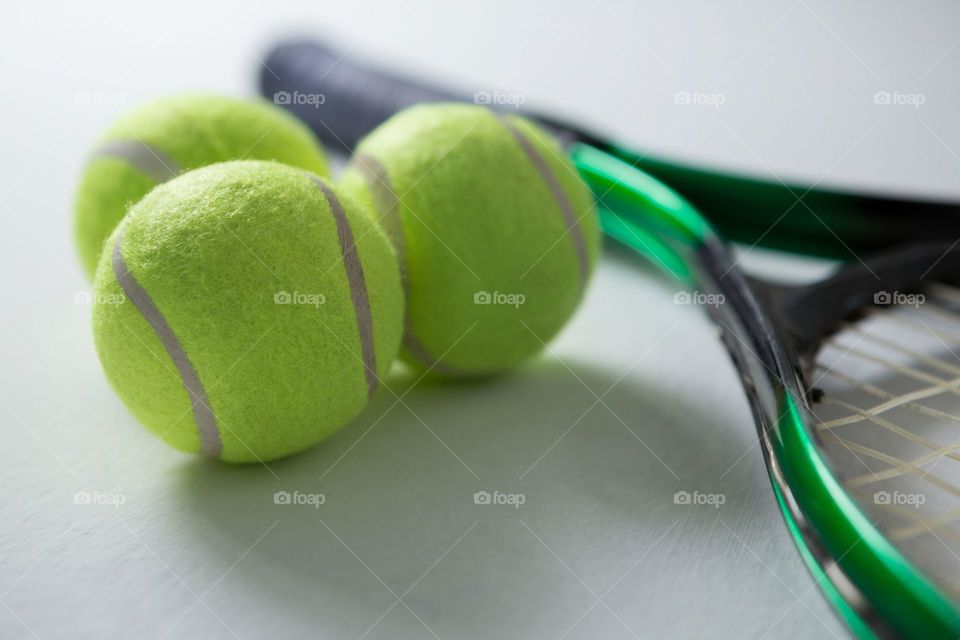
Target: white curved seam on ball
[357,283]
[211,443]
[559,196]
[378,181]
[387,206]
[149,160]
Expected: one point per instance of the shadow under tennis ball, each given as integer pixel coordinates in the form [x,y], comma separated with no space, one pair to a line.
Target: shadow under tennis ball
[478,486]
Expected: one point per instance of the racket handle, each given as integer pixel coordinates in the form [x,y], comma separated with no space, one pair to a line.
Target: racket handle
[340,99]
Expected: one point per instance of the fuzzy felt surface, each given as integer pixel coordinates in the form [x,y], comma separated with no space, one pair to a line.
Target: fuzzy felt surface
[491,261]
[245,263]
[191,131]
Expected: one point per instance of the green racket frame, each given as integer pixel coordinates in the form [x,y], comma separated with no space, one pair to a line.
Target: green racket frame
[875,589]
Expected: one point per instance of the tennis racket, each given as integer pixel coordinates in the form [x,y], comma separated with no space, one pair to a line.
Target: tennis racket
[854,382]
[342,99]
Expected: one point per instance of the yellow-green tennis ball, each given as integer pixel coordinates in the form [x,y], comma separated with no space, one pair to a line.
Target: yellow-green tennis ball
[246,310]
[164,138]
[495,232]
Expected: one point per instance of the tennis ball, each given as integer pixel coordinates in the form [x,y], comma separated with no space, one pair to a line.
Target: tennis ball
[161,139]
[246,310]
[494,230]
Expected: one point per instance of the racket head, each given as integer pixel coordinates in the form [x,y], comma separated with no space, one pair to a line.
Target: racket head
[874,585]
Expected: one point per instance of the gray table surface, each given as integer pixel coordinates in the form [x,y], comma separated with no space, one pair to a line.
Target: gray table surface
[634,402]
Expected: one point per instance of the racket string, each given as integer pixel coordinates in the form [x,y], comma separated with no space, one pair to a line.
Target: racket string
[936,451]
[887,415]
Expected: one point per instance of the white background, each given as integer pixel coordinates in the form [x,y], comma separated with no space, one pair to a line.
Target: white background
[634,402]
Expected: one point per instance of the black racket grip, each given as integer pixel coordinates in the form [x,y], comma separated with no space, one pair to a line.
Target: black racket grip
[340,99]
